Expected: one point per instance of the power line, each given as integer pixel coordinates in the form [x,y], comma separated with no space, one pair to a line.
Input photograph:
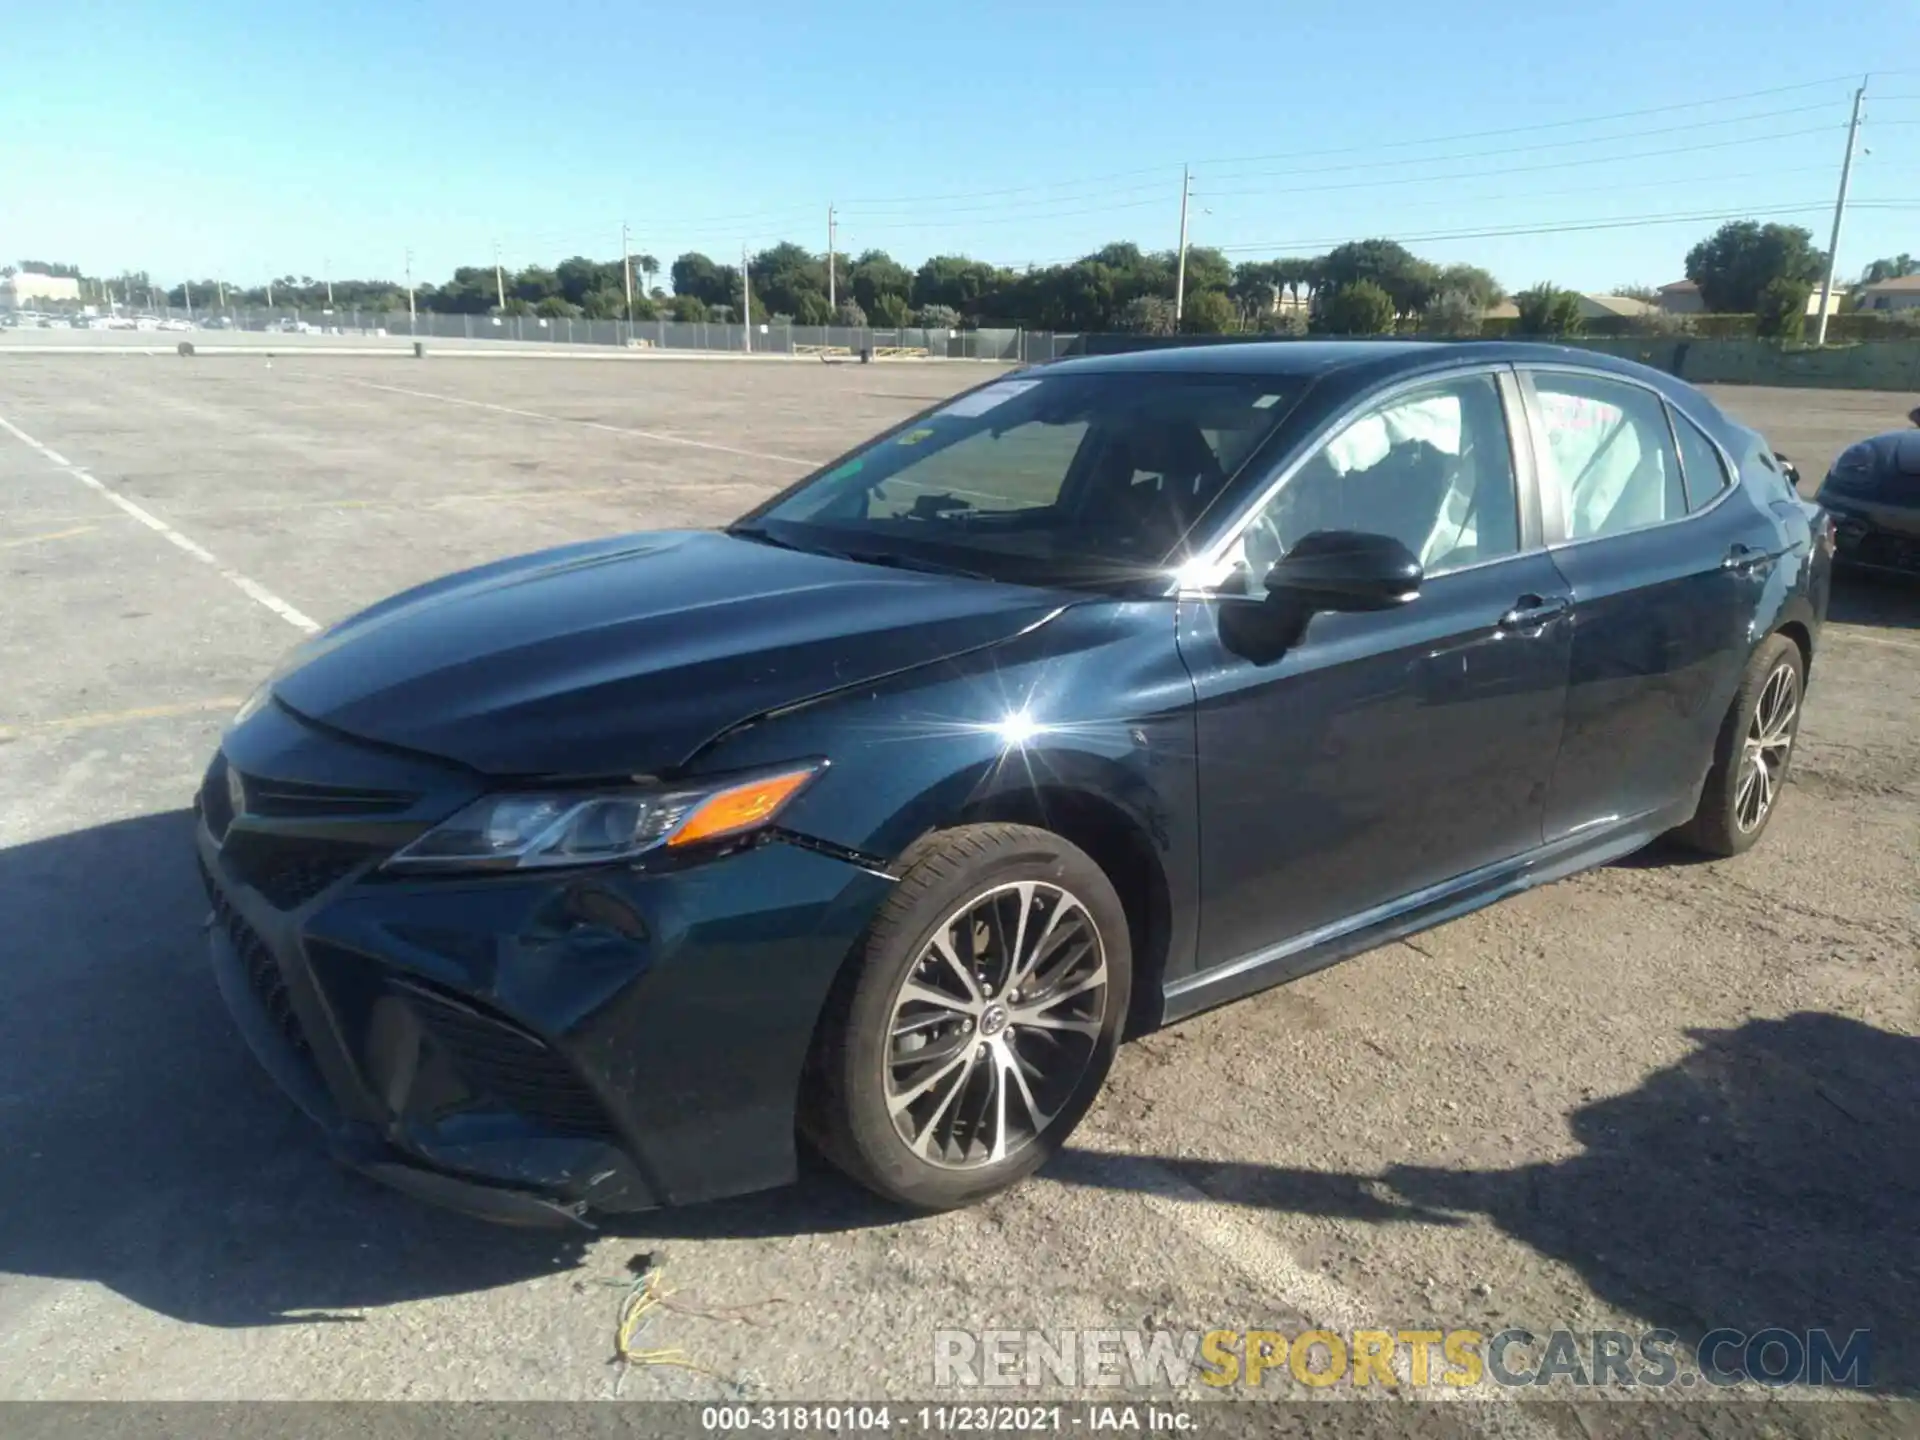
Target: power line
[1530,169]
[1617,222]
[1542,125]
[1558,145]
[1532,128]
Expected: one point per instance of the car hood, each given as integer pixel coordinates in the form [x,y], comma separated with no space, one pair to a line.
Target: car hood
[627,656]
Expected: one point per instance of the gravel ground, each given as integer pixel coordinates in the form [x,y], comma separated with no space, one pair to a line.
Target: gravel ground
[1663,1094]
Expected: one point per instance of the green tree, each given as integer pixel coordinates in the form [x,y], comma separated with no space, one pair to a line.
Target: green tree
[648,267]
[534,284]
[810,308]
[874,274]
[850,314]
[1207,269]
[1738,261]
[1359,307]
[1894,267]
[605,304]
[1452,312]
[1645,294]
[1547,310]
[1476,284]
[937,317]
[556,307]
[1782,308]
[1148,315]
[1408,280]
[955,281]
[694,274]
[891,311]
[1208,313]
[688,309]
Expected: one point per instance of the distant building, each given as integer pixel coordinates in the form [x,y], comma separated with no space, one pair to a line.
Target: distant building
[1616,307]
[1902,293]
[24,290]
[1682,297]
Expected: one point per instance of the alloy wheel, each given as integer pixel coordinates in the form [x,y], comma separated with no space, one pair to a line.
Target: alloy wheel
[1763,755]
[995,1025]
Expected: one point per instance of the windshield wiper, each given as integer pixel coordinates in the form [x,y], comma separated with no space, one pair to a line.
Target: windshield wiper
[898,561]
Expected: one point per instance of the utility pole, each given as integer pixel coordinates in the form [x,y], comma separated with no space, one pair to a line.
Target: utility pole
[269,292]
[186,294]
[832,300]
[221,287]
[1180,277]
[326,272]
[1839,213]
[746,303]
[499,278]
[410,312]
[626,268]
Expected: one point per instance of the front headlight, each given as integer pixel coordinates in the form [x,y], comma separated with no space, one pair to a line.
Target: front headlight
[522,830]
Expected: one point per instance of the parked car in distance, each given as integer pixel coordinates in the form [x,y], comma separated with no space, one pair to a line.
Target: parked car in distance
[1873,494]
[291,326]
[1078,703]
[175,323]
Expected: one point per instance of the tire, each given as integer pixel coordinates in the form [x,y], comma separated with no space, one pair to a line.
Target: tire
[921,1132]
[1726,822]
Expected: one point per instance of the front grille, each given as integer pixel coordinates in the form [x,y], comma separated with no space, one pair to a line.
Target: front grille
[505,1063]
[288,799]
[1894,552]
[290,870]
[262,970]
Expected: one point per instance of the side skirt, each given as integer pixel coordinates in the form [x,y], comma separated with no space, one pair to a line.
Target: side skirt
[1422,910]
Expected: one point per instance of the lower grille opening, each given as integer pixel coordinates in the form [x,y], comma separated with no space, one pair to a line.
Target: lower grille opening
[507,1064]
[262,971]
[290,870]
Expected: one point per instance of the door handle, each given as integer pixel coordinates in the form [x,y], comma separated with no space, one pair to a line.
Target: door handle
[1742,558]
[1535,610]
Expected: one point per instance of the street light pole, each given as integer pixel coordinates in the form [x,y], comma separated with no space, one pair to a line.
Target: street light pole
[626,268]
[499,279]
[832,299]
[1839,213]
[410,309]
[746,303]
[1180,276]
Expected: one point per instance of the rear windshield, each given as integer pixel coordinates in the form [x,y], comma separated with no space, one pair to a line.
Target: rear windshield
[1040,477]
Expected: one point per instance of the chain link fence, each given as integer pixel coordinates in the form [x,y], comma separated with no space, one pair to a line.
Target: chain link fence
[1004,345]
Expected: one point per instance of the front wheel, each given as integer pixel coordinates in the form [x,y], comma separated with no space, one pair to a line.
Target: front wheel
[978,1021]
[1751,756]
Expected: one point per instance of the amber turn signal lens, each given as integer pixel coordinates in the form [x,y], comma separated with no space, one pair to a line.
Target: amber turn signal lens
[741,807]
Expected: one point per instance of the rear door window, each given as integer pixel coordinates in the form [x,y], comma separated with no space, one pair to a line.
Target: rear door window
[1610,454]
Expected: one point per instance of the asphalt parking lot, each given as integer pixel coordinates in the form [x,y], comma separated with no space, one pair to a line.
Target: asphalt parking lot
[1664,1094]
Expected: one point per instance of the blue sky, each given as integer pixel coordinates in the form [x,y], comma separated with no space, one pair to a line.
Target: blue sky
[204,137]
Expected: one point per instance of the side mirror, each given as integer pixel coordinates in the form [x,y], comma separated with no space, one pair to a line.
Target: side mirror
[1788,469]
[1346,570]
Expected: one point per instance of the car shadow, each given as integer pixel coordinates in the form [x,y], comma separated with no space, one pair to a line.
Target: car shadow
[1769,1178]
[143,1149]
[1868,599]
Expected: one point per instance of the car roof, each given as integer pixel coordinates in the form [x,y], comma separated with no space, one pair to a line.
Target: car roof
[1312,358]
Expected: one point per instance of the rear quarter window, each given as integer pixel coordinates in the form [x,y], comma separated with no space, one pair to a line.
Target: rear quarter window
[1701,462]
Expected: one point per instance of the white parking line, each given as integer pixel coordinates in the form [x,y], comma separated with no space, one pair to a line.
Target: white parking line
[661,436]
[251,589]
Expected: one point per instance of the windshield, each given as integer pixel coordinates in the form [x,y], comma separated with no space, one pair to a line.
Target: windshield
[1040,477]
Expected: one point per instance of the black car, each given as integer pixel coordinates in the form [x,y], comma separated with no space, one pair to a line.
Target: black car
[1873,495]
[1101,694]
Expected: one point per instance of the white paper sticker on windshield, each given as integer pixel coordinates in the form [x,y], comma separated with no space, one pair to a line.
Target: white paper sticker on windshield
[981,401]
[1265,402]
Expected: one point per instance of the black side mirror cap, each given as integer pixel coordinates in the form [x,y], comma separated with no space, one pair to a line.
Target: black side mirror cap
[1347,570]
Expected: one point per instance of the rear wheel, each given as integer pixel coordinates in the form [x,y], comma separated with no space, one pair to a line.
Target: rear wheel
[978,1021]
[1751,757]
